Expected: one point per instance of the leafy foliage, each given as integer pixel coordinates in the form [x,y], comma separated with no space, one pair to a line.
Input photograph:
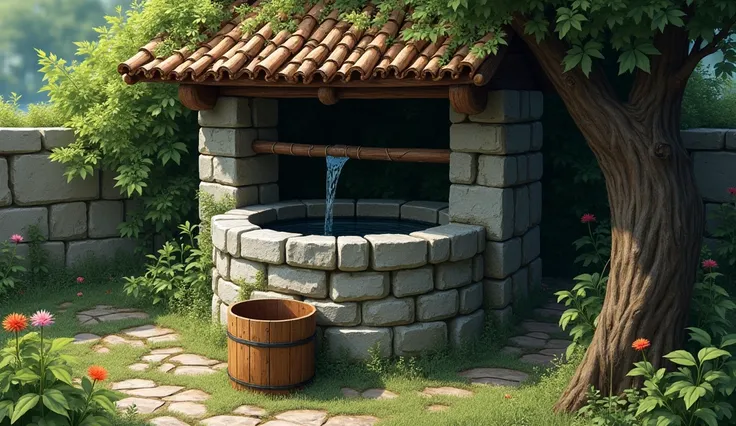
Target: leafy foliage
[10,268]
[39,115]
[709,101]
[725,232]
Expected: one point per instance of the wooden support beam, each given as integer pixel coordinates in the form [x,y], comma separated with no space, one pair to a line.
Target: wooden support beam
[337,93]
[468,99]
[405,155]
[198,98]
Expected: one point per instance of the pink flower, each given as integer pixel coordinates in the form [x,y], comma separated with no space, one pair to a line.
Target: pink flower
[710,264]
[80,280]
[587,218]
[42,319]
[732,190]
[16,238]
[79,294]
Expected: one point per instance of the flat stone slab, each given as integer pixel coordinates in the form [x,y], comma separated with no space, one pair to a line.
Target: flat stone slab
[102,350]
[167,421]
[350,393]
[66,305]
[447,391]
[144,405]
[379,394]
[86,320]
[538,359]
[133,384]
[192,370]
[250,410]
[123,316]
[139,366]
[280,423]
[511,350]
[220,366]
[193,359]
[437,408]
[352,421]
[527,342]
[85,338]
[304,417]
[163,339]
[553,352]
[190,409]
[154,358]
[554,306]
[494,381]
[230,421]
[165,368]
[557,344]
[544,327]
[146,331]
[117,340]
[191,395]
[166,351]
[538,335]
[552,314]
[157,392]
[495,376]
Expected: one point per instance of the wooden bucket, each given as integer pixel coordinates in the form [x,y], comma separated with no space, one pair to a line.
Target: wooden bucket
[271,345]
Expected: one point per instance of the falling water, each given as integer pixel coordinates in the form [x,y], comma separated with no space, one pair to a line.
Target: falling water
[334,167]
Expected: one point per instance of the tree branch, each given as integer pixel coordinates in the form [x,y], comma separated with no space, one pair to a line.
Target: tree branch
[695,56]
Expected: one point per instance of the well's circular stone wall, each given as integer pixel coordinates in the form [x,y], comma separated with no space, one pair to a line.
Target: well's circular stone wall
[405,294]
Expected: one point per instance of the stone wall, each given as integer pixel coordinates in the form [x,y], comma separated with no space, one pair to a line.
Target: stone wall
[76,218]
[495,170]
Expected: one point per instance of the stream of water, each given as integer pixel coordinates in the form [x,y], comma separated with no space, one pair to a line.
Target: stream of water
[334,167]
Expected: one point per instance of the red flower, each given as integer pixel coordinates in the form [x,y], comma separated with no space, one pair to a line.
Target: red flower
[507,396]
[15,323]
[80,294]
[732,190]
[640,344]
[710,264]
[97,373]
[108,291]
[80,280]
[16,238]
[587,218]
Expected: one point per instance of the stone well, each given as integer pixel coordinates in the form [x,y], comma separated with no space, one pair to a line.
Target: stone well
[404,293]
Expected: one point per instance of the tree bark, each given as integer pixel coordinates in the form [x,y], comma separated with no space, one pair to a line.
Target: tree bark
[656,214]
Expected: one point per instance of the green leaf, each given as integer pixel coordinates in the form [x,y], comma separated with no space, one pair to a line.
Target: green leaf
[61,373]
[59,343]
[6,409]
[24,404]
[104,403]
[707,354]
[26,375]
[707,415]
[681,358]
[700,336]
[55,401]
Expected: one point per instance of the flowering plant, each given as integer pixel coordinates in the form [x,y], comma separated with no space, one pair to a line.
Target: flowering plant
[9,263]
[36,382]
[711,303]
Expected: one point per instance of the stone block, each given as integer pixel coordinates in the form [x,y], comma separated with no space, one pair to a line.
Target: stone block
[215,275]
[228,112]
[530,245]
[268,193]
[388,311]
[56,137]
[522,168]
[521,210]
[497,293]
[437,305]
[453,274]
[416,339]
[490,139]
[463,239]
[68,221]
[304,282]
[463,167]
[410,282]
[535,203]
[703,139]
[393,251]
[422,211]
[265,112]
[241,196]
[379,208]
[232,235]
[535,275]
[470,298]
[104,218]
[312,252]
[502,317]
[265,245]
[36,180]
[537,136]
[352,253]
[714,174]
[731,140]
[524,105]
[53,249]
[341,208]
[19,221]
[206,171]
[227,142]
[478,267]
[536,105]
[246,271]
[492,208]
[257,294]
[520,284]
[438,245]
[443,217]
[6,197]
[215,308]
[107,186]
[502,106]
[535,169]
[336,314]
[228,292]
[497,171]
[108,248]
[257,215]
[19,140]
[466,329]
[357,342]
[356,286]
[457,117]
[222,263]
[246,171]
[223,313]
[502,258]
[286,210]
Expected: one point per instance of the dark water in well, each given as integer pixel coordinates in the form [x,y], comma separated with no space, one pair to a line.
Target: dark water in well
[344,226]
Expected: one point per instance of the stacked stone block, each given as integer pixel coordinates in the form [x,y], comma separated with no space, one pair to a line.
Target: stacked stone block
[76,218]
[407,294]
[228,167]
[495,172]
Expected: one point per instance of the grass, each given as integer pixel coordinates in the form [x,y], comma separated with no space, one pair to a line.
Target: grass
[529,405]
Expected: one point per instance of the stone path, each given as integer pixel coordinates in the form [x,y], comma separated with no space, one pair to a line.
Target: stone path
[107,313]
[538,345]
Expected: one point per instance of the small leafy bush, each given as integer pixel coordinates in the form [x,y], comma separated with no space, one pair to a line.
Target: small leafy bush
[725,232]
[39,115]
[10,268]
[36,383]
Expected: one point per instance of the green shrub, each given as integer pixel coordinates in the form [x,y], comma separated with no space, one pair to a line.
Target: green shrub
[39,115]
[709,101]
[10,268]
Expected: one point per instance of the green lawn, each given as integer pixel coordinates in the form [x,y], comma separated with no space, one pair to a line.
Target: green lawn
[528,405]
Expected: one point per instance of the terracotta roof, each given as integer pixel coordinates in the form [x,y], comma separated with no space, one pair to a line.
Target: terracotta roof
[331,51]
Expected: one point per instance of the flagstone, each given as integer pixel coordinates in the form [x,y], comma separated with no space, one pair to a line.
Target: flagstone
[165,368]
[102,350]
[553,314]
[559,352]
[350,393]
[119,316]
[495,373]
[220,366]
[138,366]
[190,370]
[167,351]
[494,381]
[167,421]
[544,327]
[538,335]
[66,305]
[447,391]
[164,338]
[511,350]
[526,342]
[539,359]
[352,421]
[146,331]
[191,395]
[557,344]
[231,421]
[85,338]
[280,423]
[193,359]
[157,392]
[84,319]
[379,394]
[304,417]
[250,410]
[143,405]
[154,358]
[133,384]
[191,409]
[117,340]
[554,306]
[437,408]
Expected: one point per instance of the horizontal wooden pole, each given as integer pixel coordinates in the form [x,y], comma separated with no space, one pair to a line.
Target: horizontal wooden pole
[404,155]
[431,92]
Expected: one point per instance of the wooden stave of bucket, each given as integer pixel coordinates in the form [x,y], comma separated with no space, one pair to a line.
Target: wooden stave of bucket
[271,356]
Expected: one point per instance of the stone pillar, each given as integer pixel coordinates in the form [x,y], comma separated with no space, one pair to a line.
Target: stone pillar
[495,168]
[227,164]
